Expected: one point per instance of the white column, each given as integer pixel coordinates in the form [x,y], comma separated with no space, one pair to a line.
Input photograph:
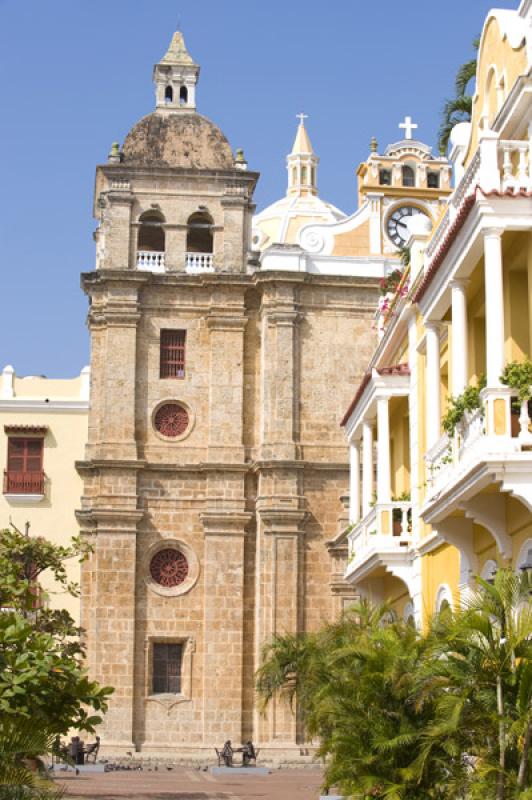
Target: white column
[383,451]
[432,385]
[494,306]
[367,467]
[354,482]
[459,336]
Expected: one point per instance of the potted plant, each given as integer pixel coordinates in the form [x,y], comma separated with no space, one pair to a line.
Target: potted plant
[518,376]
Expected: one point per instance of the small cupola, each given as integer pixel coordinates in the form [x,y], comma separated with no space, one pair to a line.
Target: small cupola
[302,163]
[175,78]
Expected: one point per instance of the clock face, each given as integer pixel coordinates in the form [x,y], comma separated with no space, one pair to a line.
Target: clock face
[396,226]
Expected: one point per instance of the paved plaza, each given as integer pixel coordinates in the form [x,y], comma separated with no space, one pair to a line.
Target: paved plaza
[190,784]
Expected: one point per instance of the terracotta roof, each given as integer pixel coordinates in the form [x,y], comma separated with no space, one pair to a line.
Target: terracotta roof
[442,251]
[25,428]
[365,380]
[461,217]
[394,369]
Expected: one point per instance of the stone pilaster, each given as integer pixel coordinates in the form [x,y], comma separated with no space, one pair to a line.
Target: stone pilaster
[279,376]
[108,581]
[279,603]
[223,625]
[226,386]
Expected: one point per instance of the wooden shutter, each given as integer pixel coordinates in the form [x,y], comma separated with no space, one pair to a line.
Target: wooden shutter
[24,455]
[173,354]
[167,660]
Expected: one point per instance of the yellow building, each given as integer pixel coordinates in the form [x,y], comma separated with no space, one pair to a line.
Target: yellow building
[43,431]
[447,506]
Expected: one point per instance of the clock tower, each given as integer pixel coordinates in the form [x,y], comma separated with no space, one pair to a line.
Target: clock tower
[403,181]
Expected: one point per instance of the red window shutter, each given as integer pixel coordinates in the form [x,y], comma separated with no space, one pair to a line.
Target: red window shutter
[172,363]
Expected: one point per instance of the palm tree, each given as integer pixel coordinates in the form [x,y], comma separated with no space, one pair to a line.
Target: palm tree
[458,109]
[353,681]
[21,742]
[478,678]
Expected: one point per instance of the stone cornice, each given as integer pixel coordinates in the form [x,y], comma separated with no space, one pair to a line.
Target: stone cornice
[279,521]
[88,465]
[225,523]
[100,463]
[115,520]
[220,322]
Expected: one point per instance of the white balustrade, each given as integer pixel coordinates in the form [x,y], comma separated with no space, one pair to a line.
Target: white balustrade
[199,262]
[514,173]
[367,538]
[439,460]
[451,458]
[471,429]
[150,261]
[514,159]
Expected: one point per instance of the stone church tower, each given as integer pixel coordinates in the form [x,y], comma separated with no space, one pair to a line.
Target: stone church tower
[215,464]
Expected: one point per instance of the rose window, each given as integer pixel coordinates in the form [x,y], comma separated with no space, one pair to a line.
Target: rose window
[169,568]
[171,420]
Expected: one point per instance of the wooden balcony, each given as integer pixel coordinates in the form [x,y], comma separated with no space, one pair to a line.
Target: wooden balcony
[24,482]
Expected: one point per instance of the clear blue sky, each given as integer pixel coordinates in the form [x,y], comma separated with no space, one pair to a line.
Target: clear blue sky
[76,74]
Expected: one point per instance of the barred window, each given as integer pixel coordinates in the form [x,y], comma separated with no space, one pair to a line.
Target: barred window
[173,354]
[167,659]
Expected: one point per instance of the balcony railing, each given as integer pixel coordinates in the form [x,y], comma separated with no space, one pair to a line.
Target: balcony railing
[471,443]
[514,162]
[150,261]
[386,529]
[199,262]
[23,482]
[505,167]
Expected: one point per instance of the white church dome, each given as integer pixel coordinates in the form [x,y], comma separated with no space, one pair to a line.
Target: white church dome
[281,222]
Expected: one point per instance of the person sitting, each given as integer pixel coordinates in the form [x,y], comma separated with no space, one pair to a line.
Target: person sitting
[227,754]
[248,753]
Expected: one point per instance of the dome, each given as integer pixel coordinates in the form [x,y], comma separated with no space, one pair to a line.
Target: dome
[281,222]
[183,139]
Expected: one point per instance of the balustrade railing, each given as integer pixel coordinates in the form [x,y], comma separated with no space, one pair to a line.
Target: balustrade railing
[514,158]
[23,482]
[368,536]
[150,261]
[472,441]
[199,262]
[513,170]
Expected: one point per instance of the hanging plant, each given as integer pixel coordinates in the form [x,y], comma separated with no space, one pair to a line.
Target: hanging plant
[469,400]
[518,375]
[390,282]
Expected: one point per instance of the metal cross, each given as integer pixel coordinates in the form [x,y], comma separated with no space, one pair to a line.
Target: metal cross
[301,117]
[408,126]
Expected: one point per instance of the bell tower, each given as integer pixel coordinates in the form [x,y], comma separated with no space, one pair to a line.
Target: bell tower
[175,78]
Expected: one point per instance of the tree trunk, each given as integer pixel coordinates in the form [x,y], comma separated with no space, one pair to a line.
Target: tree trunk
[521,777]
[502,743]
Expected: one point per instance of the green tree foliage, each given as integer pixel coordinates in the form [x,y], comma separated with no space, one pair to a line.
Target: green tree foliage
[41,672]
[20,776]
[401,715]
[458,109]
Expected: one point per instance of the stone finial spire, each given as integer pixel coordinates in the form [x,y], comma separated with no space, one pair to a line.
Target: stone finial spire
[302,163]
[175,78]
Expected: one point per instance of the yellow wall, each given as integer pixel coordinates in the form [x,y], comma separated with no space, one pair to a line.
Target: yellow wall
[352,243]
[64,443]
[441,566]
[499,65]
